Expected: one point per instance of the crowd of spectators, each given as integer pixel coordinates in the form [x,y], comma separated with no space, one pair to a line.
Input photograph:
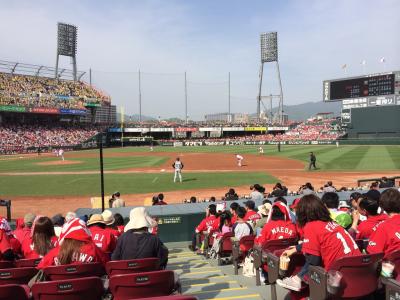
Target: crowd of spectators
[325,229]
[31,91]
[19,138]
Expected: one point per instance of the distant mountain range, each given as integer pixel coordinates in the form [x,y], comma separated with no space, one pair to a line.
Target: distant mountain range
[298,112]
[306,110]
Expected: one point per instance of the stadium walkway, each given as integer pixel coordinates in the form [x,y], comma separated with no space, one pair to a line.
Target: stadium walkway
[206,280]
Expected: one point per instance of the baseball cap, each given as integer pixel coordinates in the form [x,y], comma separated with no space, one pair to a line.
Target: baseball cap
[58,220]
[28,219]
[344,220]
[250,204]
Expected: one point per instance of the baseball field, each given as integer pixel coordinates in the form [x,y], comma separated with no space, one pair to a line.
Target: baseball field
[47,184]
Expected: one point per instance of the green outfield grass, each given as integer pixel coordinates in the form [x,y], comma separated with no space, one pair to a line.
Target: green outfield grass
[329,157]
[88,164]
[89,185]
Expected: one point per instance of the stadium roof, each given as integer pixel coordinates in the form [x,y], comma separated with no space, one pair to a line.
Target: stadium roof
[36,70]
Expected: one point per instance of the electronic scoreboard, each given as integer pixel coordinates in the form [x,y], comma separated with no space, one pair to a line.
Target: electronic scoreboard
[364,91]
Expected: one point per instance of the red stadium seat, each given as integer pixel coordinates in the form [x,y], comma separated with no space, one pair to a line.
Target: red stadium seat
[74,271]
[24,263]
[225,247]
[142,285]
[360,277]
[259,253]
[17,275]
[88,288]
[240,249]
[14,291]
[5,264]
[132,266]
[297,261]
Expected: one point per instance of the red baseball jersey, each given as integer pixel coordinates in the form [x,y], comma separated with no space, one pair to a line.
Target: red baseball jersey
[275,230]
[252,216]
[386,238]
[103,238]
[115,232]
[4,242]
[328,240]
[367,227]
[88,253]
[206,223]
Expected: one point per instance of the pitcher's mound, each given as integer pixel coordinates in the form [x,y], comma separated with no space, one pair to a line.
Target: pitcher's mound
[59,162]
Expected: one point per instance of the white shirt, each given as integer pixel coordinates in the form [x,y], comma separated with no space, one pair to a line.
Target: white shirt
[178,165]
[239,156]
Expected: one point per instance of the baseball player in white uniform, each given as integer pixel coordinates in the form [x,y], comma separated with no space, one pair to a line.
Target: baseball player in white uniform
[61,154]
[178,166]
[261,150]
[239,159]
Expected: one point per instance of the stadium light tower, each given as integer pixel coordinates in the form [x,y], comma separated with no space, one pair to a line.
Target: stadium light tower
[269,53]
[67,45]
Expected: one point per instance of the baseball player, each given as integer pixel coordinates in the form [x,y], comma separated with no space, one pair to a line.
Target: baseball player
[261,150]
[239,159]
[178,166]
[61,154]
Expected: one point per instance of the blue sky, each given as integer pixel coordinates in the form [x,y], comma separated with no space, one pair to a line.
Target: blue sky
[207,39]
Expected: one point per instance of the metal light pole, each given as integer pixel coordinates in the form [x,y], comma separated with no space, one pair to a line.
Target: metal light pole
[229,98]
[140,100]
[101,170]
[186,101]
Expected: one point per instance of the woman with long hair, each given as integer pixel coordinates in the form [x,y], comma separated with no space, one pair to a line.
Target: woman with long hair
[324,240]
[42,238]
[75,246]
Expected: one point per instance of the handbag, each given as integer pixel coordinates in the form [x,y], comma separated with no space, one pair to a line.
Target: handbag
[39,277]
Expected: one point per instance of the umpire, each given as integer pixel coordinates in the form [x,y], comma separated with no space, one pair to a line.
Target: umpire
[313,159]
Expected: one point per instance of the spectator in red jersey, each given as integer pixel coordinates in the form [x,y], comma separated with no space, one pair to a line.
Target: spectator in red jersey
[42,239]
[9,245]
[279,225]
[119,223]
[251,215]
[205,225]
[232,208]
[369,208]
[103,238]
[21,233]
[75,247]
[137,242]
[109,221]
[386,237]
[324,240]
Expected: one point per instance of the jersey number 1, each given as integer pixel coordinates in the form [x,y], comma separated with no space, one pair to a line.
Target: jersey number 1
[346,247]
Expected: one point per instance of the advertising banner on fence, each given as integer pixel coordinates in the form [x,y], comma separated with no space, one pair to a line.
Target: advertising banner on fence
[255,129]
[232,128]
[44,110]
[210,129]
[166,129]
[277,128]
[73,111]
[237,143]
[12,108]
[142,130]
[186,129]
